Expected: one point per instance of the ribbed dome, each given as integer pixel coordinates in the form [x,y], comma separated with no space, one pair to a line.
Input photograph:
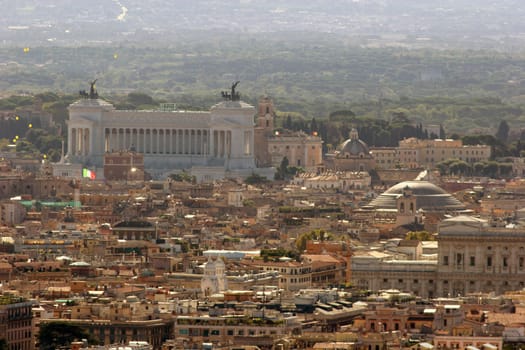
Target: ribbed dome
[429,197]
[353,146]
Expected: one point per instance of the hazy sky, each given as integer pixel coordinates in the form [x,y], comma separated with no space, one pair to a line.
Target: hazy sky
[63,21]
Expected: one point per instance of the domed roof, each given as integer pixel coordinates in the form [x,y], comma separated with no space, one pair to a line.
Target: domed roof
[429,197]
[353,146]
[137,223]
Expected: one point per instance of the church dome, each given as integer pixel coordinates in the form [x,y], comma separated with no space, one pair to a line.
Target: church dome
[353,147]
[429,197]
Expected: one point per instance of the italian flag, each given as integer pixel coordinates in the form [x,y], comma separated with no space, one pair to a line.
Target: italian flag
[88,173]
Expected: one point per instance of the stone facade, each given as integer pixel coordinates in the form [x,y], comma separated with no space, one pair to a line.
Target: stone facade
[301,150]
[127,166]
[16,322]
[222,137]
[475,257]
[415,153]
[472,257]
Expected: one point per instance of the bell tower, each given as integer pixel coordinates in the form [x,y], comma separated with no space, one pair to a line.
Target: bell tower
[265,114]
[406,207]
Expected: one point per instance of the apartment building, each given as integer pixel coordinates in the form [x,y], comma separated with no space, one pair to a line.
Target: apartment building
[415,153]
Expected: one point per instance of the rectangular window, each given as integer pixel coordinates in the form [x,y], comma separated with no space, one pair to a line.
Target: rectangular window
[445,260]
[520,263]
[472,261]
[505,262]
[489,261]
[247,142]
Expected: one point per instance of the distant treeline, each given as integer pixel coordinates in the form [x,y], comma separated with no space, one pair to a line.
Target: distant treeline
[21,125]
[461,90]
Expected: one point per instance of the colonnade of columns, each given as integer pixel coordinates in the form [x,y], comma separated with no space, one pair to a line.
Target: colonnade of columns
[80,143]
[169,141]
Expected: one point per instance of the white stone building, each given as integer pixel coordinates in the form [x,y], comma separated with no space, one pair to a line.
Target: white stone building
[214,279]
[210,144]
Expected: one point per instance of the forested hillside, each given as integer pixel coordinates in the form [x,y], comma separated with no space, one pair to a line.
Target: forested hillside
[462,90]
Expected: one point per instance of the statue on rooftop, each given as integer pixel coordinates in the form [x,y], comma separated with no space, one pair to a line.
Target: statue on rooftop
[232,95]
[92,94]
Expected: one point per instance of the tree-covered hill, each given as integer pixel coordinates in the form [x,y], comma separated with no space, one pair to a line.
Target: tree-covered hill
[459,89]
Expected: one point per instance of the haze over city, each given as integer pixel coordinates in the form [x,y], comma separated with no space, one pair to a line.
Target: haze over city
[262,175]
[485,23]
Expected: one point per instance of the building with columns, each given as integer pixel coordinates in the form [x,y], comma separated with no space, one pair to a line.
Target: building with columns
[210,144]
[473,257]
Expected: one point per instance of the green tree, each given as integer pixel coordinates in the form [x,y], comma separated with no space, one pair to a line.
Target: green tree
[282,170]
[288,122]
[182,177]
[59,334]
[478,168]
[254,179]
[420,236]
[490,169]
[442,167]
[342,115]
[460,167]
[505,169]
[313,126]
[276,253]
[139,99]
[58,109]
[47,96]
[442,134]
[503,131]
[314,235]
[24,146]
